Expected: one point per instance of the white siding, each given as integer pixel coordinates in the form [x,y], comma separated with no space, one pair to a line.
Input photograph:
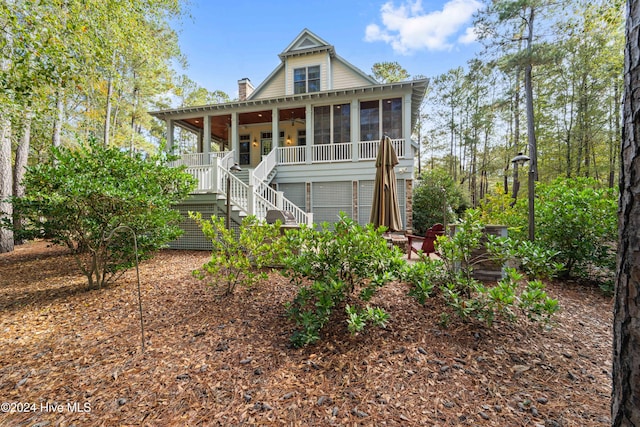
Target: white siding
[274,88]
[345,78]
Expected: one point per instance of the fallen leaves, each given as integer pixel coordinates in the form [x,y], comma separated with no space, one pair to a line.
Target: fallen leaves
[228,362]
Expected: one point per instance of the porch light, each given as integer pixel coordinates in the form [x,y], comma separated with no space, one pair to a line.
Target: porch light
[255,142]
[520,160]
[288,139]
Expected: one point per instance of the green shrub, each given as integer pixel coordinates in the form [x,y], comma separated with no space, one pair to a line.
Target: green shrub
[457,251]
[240,260]
[498,208]
[423,276]
[346,267]
[574,218]
[577,219]
[470,299]
[487,303]
[358,318]
[80,195]
[532,258]
[535,303]
[435,195]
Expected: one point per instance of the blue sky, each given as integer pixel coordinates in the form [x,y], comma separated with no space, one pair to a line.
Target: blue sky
[225,41]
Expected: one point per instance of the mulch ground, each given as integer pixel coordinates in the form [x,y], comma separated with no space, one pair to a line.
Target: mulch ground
[69,356]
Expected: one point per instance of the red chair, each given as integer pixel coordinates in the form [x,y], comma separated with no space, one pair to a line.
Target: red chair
[424,244]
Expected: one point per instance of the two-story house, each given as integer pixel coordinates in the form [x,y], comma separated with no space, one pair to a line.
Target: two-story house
[306,139]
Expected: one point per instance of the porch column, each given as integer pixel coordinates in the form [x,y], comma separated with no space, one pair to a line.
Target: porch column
[406,116]
[206,140]
[355,130]
[275,122]
[234,136]
[170,127]
[309,133]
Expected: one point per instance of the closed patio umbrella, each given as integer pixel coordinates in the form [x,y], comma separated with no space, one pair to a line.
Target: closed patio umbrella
[385,209]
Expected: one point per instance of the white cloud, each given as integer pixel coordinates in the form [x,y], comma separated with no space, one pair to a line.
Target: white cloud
[469,36]
[408,28]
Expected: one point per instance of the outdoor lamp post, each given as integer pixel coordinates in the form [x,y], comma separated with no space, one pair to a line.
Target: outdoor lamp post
[234,168]
[520,160]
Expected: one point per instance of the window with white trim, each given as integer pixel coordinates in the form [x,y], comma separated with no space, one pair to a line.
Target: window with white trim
[306,79]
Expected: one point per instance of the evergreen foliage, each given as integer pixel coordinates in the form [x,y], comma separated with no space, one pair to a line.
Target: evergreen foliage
[81,194]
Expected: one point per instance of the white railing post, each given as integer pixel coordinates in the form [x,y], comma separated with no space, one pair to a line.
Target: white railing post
[214,176]
[279,199]
[251,200]
[310,219]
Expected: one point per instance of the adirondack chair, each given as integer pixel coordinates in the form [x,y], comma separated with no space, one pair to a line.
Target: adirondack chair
[425,243]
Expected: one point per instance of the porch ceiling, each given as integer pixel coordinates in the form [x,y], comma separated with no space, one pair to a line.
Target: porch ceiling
[221,124]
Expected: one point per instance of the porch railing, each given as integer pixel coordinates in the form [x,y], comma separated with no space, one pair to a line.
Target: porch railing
[343,152]
[292,155]
[254,199]
[264,168]
[278,201]
[199,159]
[203,176]
[368,150]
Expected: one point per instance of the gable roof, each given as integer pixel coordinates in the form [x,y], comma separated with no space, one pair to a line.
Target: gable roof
[305,43]
[308,43]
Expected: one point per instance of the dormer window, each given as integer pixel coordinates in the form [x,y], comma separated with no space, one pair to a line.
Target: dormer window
[306,80]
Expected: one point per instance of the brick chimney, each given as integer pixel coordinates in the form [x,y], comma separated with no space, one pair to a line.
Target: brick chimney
[245,89]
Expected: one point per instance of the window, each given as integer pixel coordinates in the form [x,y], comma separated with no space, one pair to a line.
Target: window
[341,123]
[370,120]
[322,125]
[306,80]
[265,143]
[392,117]
[244,151]
[302,137]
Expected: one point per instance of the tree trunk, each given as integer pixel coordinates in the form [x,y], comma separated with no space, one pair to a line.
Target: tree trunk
[528,87]
[22,157]
[107,119]
[615,125]
[57,123]
[625,401]
[6,208]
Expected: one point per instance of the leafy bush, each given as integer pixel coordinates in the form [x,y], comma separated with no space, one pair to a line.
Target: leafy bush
[80,195]
[498,208]
[358,318]
[457,251]
[579,220]
[574,217]
[532,258]
[433,191]
[471,299]
[423,276]
[486,304]
[240,260]
[346,267]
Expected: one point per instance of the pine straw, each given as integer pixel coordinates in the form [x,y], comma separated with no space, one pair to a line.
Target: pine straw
[228,362]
